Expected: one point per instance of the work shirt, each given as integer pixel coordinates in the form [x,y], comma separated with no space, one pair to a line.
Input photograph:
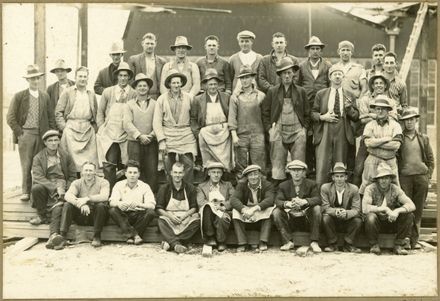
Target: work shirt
[381,129]
[140,194]
[223,71]
[398,91]
[395,198]
[80,189]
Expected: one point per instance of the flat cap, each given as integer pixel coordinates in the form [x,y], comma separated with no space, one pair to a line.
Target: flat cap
[296,164]
[246,34]
[335,67]
[343,44]
[250,169]
[51,133]
[213,164]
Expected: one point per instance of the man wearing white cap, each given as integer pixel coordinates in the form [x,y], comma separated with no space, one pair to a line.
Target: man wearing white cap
[56,89]
[298,206]
[107,77]
[183,65]
[30,115]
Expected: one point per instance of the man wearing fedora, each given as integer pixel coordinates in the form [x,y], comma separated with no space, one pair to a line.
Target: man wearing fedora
[332,114]
[29,116]
[397,90]
[416,164]
[148,63]
[56,89]
[171,124]
[138,123]
[377,55]
[382,137]
[107,77]
[246,56]
[213,199]
[298,206]
[53,170]
[286,117]
[76,115]
[245,122]
[112,137]
[341,210]
[213,61]
[313,76]
[209,122]
[182,64]
[253,203]
[387,208]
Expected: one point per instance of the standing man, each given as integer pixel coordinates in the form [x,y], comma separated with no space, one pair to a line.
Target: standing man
[177,209]
[416,164]
[76,115]
[246,56]
[213,61]
[107,77]
[397,90]
[56,89]
[171,123]
[30,115]
[182,63]
[377,53]
[298,205]
[341,210]
[387,206]
[286,116]
[332,113]
[132,205]
[148,63]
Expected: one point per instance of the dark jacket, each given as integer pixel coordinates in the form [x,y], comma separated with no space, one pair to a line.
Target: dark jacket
[309,83]
[54,92]
[273,104]
[307,190]
[105,79]
[243,194]
[19,108]
[226,189]
[164,195]
[351,200]
[267,76]
[137,65]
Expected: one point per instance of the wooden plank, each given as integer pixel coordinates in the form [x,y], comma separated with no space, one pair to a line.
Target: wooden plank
[427,247]
[21,246]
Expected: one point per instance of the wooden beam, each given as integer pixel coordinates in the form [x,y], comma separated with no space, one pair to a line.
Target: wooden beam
[40,40]
[83,27]
[21,246]
[423,88]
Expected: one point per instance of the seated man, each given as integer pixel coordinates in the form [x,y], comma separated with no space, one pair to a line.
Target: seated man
[132,204]
[177,209]
[213,198]
[252,204]
[387,206]
[341,208]
[298,203]
[87,203]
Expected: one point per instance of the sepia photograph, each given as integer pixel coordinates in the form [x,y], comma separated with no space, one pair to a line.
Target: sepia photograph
[219,150]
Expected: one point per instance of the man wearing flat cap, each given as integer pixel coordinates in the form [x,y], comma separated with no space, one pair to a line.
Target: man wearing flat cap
[332,114]
[171,124]
[138,123]
[341,210]
[56,89]
[209,122]
[297,206]
[397,90]
[382,137]
[107,76]
[416,164]
[286,117]
[246,56]
[148,63]
[377,55]
[213,199]
[29,116]
[245,123]
[387,208]
[183,65]
[252,203]
[112,137]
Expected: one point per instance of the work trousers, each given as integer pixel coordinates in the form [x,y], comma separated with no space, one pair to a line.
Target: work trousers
[188,162]
[213,225]
[264,226]
[97,218]
[174,239]
[310,153]
[416,188]
[332,225]
[147,156]
[250,146]
[132,223]
[374,225]
[361,156]
[29,144]
[286,223]
[113,154]
[40,200]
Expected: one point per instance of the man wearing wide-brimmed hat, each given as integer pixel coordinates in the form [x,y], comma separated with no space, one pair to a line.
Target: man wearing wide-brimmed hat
[416,164]
[60,69]
[397,90]
[138,123]
[386,206]
[182,64]
[341,210]
[286,117]
[107,77]
[213,199]
[245,122]
[171,124]
[377,55]
[30,115]
[111,137]
[209,122]
[382,137]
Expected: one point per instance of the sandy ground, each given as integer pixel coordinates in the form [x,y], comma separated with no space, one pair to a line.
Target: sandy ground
[118,270]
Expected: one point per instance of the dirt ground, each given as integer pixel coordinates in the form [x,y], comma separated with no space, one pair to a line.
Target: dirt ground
[118,270]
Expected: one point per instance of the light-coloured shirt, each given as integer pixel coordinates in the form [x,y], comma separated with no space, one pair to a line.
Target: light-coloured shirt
[140,194]
[53,160]
[331,100]
[150,64]
[34,93]
[340,194]
[120,92]
[248,58]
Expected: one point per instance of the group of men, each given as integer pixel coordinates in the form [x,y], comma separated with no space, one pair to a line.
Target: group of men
[243,117]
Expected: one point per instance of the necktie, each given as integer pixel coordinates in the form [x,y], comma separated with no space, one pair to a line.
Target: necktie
[122,97]
[336,108]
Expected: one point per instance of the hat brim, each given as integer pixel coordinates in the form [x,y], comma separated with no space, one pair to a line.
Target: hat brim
[370,82]
[51,135]
[117,52]
[115,73]
[382,106]
[347,172]
[384,175]
[314,44]
[246,74]
[148,80]
[409,116]
[171,76]
[211,77]
[173,47]
[33,75]
[65,69]
[295,68]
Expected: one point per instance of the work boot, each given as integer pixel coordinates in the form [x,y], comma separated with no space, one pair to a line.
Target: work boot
[400,250]
[351,249]
[49,244]
[241,249]
[331,248]
[210,241]
[109,170]
[59,242]
[262,246]
[375,249]
[138,240]
[315,247]
[179,248]
[24,197]
[38,220]
[287,246]
[221,247]
[165,245]
[96,242]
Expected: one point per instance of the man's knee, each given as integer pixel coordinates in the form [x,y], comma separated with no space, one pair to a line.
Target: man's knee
[278,214]
[150,213]
[38,189]
[68,207]
[371,219]
[357,222]
[113,211]
[101,206]
[326,219]
[316,212]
